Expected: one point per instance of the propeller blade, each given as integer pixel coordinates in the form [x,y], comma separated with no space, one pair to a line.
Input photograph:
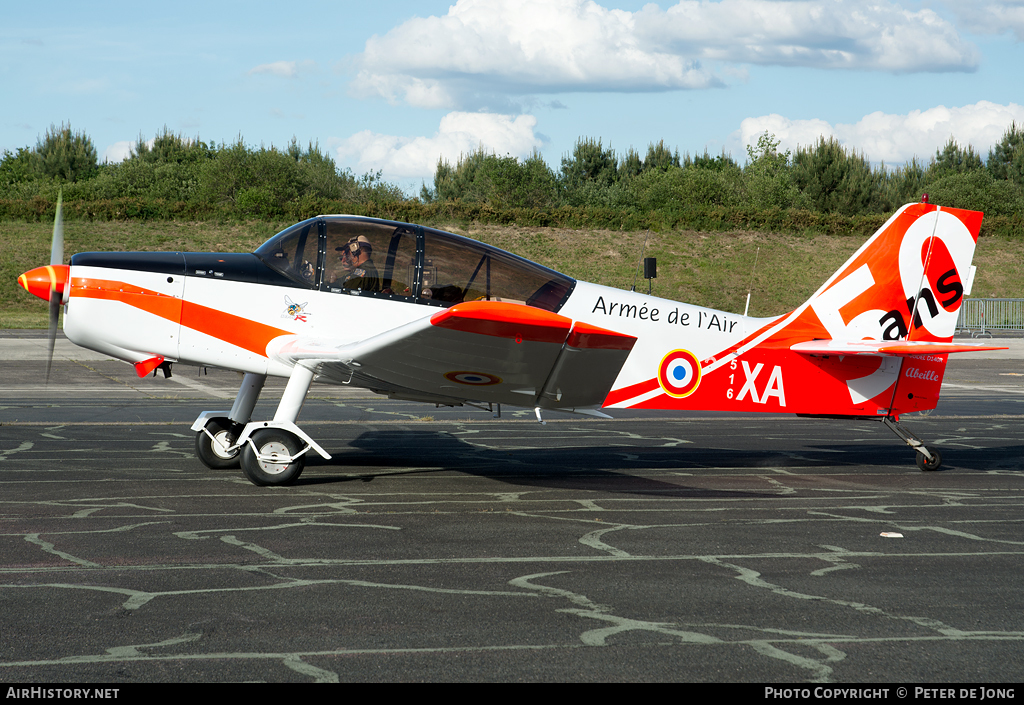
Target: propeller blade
[57,244]
[51,334]
[56,258]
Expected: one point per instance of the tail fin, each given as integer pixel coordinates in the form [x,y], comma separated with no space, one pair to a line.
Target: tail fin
[874,339]
[906,283]
[903,291]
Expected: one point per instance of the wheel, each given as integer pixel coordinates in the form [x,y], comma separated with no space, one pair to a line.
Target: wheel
[932,464]
[213,454]
[276,446]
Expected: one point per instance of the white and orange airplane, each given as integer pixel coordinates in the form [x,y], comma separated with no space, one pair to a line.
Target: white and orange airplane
[420,314]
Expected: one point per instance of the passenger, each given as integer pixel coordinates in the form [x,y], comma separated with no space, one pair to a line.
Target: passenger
[358,269]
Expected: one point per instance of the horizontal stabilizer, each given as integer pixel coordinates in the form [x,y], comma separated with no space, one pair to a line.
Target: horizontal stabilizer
[897,348]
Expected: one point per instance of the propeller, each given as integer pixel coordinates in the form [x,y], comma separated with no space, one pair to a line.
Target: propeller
[50,282]
[56,258]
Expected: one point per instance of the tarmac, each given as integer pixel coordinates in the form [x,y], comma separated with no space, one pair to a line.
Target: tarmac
[447,545]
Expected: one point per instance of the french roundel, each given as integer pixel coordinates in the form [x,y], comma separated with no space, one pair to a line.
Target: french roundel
[679,373]
[480,379]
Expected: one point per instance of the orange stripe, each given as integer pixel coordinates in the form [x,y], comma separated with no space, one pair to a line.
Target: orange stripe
[161,305]
[113,285]
[232,329]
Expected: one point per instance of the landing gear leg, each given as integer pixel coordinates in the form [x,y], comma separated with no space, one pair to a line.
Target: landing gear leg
[927,458]
[245,402]
[217,434]
[275,455]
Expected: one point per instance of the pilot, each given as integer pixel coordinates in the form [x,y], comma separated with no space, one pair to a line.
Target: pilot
[358,269]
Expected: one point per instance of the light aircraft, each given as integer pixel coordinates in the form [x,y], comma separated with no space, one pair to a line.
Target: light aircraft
[419,314]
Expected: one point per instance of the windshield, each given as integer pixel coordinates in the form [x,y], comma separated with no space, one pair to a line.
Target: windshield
[293,252]
[365,256]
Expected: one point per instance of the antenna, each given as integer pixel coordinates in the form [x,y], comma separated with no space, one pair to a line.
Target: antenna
[642,251]
[751,286]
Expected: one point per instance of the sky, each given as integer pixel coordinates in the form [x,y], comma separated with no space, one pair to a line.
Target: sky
[393,86]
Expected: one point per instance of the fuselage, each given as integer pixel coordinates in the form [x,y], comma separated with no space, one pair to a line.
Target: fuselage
[226,311]
[240,311]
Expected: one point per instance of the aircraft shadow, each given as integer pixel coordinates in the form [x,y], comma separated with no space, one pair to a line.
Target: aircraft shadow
[614,467]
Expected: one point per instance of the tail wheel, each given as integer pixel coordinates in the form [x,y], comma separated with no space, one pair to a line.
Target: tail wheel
[211,451]
[933,464]
[276,460]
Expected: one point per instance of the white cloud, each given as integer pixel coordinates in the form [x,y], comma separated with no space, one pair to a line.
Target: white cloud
[830,34]
[282,69]
[990,16]
[117,152]
[458,133]
[517,47]
[790,133]
[892,138]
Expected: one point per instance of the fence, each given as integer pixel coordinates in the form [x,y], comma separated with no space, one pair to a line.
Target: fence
[980,316]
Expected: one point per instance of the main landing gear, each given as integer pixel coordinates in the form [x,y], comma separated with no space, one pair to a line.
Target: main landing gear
[270,452]
[273,456]
[927,458]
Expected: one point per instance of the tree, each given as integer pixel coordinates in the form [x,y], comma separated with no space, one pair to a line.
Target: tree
[1006,159]
[257,182]
[768,174]
[723,162]
[766,156]
[504,182]
[522,184]
[589,161]
[953,159]
[834,180]
[66,155]
[904,184]
[169,148]
[660,157]
[631,164]
[464,181]
[319,174]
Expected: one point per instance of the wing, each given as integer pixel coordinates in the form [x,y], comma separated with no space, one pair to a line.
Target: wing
[485,351]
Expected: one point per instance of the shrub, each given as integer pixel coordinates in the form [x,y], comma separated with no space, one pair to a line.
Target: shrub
[977,190]
[65,155]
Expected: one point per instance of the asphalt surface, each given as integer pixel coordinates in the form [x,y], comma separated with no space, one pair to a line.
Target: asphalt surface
[446,545]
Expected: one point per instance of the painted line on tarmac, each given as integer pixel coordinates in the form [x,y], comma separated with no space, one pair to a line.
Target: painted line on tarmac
[204,388]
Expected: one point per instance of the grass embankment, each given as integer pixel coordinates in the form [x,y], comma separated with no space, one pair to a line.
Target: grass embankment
[708,268]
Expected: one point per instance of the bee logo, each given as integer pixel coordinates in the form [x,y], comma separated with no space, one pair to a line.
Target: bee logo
[295,311]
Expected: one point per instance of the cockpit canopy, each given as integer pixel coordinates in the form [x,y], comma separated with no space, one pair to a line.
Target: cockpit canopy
[369,257]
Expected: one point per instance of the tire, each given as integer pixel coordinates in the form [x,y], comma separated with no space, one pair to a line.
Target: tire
[273,442]
[929,465]
[211,454]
